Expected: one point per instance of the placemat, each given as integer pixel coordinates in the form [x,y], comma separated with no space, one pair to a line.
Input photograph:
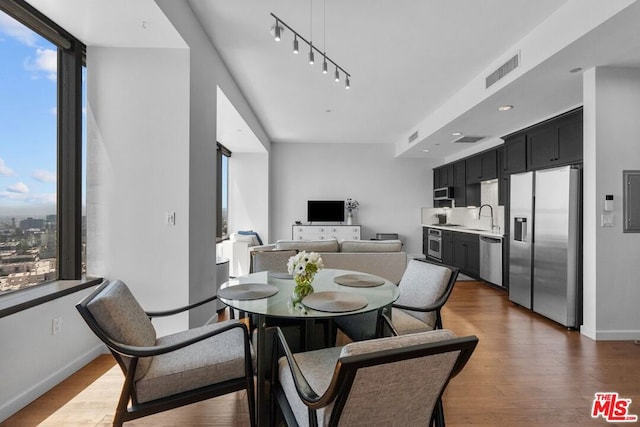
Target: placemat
[335,302]
[280,275]
[358,280]
[248,291]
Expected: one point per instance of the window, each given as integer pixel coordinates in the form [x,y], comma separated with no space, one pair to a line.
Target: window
[222,192]
[41,133]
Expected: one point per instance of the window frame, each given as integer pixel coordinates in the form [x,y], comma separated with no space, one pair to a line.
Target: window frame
[221,151]
[71,59]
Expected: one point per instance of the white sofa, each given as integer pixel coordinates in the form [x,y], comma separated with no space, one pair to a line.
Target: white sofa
[383,258]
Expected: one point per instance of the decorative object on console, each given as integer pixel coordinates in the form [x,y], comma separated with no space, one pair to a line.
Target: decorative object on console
[303,266]
[351,205]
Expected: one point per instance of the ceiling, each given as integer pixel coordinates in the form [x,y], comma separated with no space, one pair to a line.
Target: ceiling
[415,65]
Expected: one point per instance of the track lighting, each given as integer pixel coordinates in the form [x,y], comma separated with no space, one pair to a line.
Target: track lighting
[311,61]
[277,32]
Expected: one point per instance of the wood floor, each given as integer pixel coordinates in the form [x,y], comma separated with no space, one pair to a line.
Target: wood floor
[526,371]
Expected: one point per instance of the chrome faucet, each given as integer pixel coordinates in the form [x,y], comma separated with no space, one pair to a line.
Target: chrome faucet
[490,210]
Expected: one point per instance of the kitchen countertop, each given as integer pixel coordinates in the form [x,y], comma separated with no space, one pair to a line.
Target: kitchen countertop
[464,229]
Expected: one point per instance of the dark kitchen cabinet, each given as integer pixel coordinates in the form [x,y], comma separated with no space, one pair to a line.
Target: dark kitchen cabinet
[447,247]
[466,253]
[555,143]
[482,167]
[460,183]
[514,156]
[502,177]
[443,176]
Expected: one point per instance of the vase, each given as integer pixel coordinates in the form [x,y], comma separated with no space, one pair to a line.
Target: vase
[349,218]
[303,287]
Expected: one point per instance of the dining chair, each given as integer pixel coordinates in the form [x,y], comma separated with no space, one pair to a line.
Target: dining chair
[302,334]
[386,381]
[424,289]
[163,373]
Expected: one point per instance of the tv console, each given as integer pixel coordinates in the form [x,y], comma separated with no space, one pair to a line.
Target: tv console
[322,232]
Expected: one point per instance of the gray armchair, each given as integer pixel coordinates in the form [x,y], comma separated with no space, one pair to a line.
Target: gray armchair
[171,371]
[387,381]
[424,289]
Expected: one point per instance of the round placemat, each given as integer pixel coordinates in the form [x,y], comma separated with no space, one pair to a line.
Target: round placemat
[334,302]
[280,275]
[358,280]
[248,291]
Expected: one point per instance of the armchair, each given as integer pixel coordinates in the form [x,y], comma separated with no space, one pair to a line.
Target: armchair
[387,381]
[424,289]
[171,371]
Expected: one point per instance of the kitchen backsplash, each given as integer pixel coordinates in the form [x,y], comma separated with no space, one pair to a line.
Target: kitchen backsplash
[468,217]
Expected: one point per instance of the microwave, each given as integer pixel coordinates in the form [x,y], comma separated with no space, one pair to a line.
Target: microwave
[444,193]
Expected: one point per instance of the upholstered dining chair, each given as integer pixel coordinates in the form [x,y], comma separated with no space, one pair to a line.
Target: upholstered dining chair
[323,332]
[424,289]
[387,381]
[163,373]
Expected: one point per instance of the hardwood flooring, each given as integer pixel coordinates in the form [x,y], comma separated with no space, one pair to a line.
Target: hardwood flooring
[526,371]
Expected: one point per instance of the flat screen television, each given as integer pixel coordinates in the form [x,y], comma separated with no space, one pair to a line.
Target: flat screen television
[325,210]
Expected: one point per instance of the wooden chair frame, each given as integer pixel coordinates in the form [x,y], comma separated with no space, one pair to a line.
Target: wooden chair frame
[120,351]
[345,373]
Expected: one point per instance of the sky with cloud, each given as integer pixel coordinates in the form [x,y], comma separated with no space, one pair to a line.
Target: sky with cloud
[27,121]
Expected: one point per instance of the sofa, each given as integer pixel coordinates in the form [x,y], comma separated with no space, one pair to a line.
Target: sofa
[383,258]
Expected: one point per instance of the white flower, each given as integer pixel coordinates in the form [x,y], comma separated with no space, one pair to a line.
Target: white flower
[303,263]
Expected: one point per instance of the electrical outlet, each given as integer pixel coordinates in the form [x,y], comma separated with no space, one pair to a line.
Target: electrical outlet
[56,325]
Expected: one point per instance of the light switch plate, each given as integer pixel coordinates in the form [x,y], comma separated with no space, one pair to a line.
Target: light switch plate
[606,220]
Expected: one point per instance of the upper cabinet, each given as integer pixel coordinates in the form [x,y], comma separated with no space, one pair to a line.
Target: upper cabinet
[443,176]
[556,142]
[514,156]
[460,183]
[482,167]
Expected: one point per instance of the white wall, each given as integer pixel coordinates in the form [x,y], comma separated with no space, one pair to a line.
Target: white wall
[138,169]
[391,191]
[249,193]
[33,360]
[611,257]
[207,72]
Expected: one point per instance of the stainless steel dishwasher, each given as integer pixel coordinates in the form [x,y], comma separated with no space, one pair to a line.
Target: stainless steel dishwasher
[491,259]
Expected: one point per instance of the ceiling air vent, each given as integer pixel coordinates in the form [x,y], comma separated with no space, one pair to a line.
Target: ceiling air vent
[413,137]
[468,139]
[505,69]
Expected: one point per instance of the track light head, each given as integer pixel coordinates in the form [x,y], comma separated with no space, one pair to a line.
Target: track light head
[311,57]
[347,83]
[337,75]
[276,31]
[324,66]
[295,45]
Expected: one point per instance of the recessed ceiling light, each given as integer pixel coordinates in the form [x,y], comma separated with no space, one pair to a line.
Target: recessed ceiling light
[327,110]
[505,107]
[575,70]
[426,150]
[438,143]
[457,134]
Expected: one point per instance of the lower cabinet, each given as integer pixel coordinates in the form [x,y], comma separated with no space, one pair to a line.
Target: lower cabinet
[447,247]
[466,253]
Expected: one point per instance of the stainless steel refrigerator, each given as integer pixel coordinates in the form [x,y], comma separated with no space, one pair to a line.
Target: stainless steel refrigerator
[545,243]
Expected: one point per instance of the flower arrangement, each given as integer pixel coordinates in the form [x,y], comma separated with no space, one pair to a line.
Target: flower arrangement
[351,205]
[303,267]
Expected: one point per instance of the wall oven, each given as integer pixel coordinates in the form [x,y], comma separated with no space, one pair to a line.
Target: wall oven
[434,243]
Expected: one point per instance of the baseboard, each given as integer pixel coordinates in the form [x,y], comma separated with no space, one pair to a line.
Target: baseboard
[616,335]
[9,408]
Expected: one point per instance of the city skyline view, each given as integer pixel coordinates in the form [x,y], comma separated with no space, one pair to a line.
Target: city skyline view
[28,129]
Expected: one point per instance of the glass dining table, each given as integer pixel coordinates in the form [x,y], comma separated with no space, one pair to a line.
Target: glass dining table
[337,293]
